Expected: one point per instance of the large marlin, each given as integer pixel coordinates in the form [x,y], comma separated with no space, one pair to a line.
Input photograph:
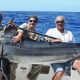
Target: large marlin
[36,51]
[33,51]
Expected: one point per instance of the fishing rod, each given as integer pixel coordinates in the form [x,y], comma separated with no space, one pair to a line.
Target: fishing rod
[10,25]
[11,20]
[37,33]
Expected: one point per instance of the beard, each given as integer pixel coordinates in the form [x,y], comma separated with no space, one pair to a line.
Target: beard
[31,27]
[61,28]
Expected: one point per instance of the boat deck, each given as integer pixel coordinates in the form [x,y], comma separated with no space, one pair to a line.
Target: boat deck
[23,69]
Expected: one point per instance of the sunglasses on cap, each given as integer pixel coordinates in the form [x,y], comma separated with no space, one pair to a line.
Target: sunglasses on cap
[59,21]
[33,21]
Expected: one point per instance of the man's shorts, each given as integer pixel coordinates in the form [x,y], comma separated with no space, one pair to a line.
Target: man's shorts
[61,66]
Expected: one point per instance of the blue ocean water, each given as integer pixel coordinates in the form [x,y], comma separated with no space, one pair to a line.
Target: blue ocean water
[46,20]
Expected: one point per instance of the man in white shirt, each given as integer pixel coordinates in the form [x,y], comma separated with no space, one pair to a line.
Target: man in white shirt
[59,32]
[63,35]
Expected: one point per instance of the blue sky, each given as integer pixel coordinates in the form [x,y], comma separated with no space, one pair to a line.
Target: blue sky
[40,5]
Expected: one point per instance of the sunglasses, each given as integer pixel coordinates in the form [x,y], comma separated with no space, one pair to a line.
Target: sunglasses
[33,21]
[59,21]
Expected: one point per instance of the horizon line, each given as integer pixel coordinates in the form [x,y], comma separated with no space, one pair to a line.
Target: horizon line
[35,11]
